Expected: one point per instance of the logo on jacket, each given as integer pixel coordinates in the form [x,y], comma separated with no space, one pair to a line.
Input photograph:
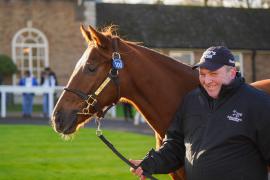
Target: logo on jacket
[236,116]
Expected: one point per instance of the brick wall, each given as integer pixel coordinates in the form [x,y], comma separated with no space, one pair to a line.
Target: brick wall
[247,63]
[263,65]
[58,20]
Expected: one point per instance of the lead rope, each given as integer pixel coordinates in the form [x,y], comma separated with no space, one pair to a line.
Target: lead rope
[116,152]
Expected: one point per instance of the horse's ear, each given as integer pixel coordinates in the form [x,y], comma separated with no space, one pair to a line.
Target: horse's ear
[86,34]
[99,39]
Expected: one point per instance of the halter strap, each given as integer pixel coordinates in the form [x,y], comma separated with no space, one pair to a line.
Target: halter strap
[115,44]
[79,93]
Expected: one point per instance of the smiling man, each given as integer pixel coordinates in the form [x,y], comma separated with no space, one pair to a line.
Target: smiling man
[217,68]
[221,130]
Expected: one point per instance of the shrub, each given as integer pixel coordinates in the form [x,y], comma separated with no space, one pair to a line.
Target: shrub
[7,66]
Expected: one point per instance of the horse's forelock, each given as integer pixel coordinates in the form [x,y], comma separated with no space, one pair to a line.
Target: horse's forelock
[110,31]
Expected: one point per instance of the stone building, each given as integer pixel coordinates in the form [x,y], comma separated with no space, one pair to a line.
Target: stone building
[41,33]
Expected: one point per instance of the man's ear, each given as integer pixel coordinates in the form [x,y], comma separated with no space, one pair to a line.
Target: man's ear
[233,72]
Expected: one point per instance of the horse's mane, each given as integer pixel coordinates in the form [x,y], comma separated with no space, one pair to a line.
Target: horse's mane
[111,31]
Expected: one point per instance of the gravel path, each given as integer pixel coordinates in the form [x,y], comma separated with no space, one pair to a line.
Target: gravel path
[111,124]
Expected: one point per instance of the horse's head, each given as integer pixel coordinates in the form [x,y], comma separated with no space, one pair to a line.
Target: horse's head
[93,85]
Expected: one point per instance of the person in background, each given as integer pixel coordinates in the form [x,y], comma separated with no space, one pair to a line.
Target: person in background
[27,98]
[220,131]
[52,75]
[127,108]
[48,79]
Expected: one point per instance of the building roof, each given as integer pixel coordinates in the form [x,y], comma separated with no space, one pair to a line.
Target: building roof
[160,26]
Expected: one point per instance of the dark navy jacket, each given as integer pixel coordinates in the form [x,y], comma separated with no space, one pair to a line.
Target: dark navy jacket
[223,139]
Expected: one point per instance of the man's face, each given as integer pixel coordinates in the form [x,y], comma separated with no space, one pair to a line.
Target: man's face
[213,80]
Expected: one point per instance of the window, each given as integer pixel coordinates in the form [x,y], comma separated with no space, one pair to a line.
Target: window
[239,62]
[186,57]
[29,52]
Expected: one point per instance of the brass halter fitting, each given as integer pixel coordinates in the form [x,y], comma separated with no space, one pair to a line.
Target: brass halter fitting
[116,55]
[91,101]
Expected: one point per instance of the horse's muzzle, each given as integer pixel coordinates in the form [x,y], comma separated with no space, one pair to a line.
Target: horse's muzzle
[64,121]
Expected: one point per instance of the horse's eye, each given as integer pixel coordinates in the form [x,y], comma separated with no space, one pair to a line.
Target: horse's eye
[92,67]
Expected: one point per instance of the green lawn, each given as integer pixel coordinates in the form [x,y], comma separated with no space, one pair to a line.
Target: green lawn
[37,152]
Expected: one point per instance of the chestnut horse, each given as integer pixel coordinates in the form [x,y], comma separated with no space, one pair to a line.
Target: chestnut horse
[262,85]
[153,83]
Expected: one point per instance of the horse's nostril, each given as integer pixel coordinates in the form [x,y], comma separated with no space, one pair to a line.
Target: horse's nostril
[57,120]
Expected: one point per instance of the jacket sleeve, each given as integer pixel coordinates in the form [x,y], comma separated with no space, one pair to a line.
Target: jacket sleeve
[263,127]
[21,82]
[170,156]
[34,82]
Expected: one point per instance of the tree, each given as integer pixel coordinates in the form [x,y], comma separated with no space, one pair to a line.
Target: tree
[251,3]
[158,2]
[245,3]
[7,67]
[229,3]
[212,2]
[266,3]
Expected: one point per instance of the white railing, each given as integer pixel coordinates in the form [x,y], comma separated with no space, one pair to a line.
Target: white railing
[38,90]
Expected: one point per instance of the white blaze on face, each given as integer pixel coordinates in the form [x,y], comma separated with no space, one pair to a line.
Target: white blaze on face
[84,58]
[81,61]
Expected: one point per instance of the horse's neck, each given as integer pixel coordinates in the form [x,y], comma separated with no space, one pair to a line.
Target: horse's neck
[156,84]
[262,85]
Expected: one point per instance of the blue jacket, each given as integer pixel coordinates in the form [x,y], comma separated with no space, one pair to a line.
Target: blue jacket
[22,81]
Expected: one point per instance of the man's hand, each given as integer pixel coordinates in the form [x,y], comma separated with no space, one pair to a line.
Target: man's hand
[138,172]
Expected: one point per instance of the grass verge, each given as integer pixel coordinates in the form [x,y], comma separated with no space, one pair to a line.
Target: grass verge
[37,152]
